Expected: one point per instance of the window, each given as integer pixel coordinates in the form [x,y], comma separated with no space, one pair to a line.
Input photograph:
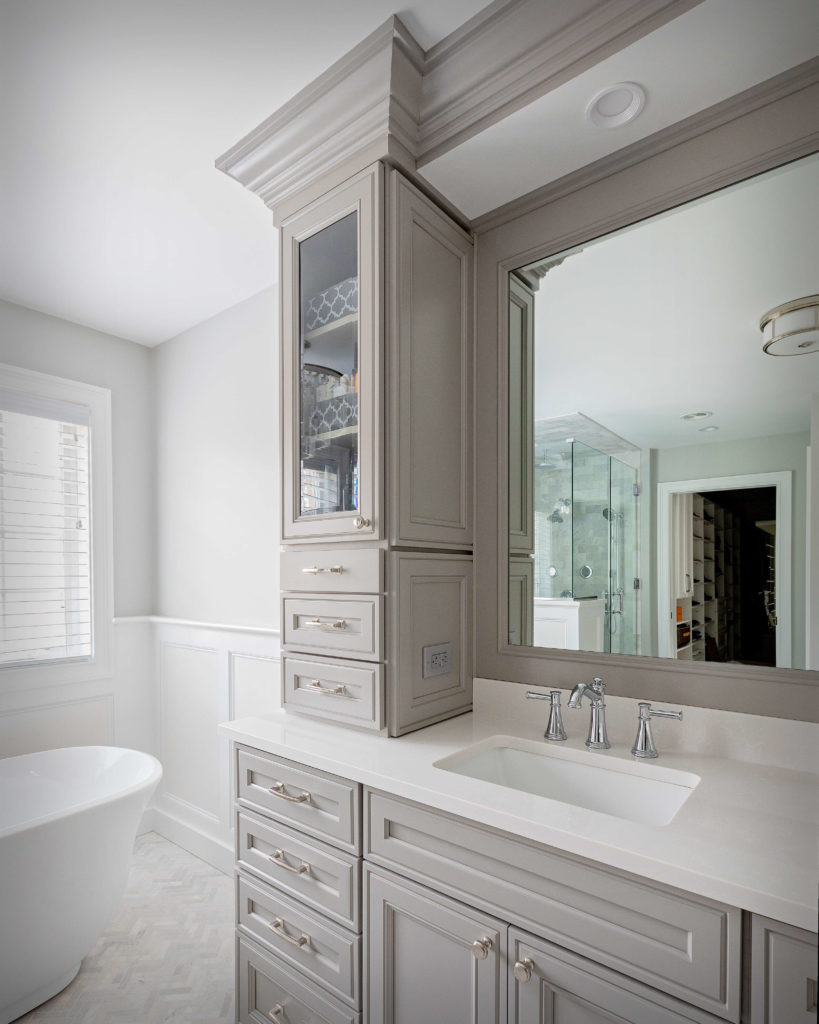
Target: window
[55,594]
[45,530]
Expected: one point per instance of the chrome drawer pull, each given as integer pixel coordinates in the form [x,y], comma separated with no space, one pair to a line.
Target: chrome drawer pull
[277,926]
[314,570]
[278,858]
[277,789]
[523,970]
[318,624]
[329,691]
[481,947]
[277,1014]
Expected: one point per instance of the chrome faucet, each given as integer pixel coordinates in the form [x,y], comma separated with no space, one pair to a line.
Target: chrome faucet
[596,692]
[644,744]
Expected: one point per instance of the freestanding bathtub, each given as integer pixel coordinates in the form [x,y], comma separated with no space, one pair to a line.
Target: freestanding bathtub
[68,819]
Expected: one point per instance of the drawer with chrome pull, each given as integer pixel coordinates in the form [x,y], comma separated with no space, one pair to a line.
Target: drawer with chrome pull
[267,990]
[315,802]
[306,941]
[336,626]
[324,878]
[342,691]
[333,570]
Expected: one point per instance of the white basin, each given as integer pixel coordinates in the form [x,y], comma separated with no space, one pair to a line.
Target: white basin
[638,792]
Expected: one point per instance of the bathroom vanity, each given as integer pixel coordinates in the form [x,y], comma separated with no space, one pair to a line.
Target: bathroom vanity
[376,885]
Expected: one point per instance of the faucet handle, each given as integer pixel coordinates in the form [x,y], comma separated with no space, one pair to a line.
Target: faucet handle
[644,743]
[554,728]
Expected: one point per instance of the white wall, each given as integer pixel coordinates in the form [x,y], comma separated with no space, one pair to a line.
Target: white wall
[218,468]
[812,604]
[216,640]
[118,709]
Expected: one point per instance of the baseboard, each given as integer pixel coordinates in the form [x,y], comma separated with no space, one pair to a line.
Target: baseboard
[216,852]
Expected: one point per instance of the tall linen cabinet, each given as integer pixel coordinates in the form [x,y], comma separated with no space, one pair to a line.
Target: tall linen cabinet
[376,375]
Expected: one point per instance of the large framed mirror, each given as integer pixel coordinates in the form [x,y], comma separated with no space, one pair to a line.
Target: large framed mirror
[653,461]
[658,452]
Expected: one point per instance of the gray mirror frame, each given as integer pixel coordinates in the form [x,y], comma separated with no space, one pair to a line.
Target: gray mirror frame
[757,131]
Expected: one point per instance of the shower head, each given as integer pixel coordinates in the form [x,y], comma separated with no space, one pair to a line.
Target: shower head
[610,513]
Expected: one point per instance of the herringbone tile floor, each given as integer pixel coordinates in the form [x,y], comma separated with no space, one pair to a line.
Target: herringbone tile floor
[167,955]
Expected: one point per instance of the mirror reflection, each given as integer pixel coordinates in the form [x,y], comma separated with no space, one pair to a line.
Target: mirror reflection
[658,437]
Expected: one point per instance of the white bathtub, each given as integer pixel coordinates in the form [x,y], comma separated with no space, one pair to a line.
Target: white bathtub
[68,819]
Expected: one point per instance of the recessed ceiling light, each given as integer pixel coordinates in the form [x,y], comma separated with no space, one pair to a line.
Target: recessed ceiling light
[696,415]
[708,430]
[616,105]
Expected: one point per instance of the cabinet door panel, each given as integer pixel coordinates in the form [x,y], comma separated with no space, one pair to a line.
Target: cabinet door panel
[331,365]
[421,965]
[430,356]
[567,989]
[783,973]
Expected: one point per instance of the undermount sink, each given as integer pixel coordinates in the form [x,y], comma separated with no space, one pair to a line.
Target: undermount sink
[637,792]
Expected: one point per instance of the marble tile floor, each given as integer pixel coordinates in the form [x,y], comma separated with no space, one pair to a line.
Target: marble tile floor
[167,955]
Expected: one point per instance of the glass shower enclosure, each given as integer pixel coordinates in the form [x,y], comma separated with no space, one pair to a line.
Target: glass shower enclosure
[586,542]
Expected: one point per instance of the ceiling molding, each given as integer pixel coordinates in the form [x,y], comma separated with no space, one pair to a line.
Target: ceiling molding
[387,99]
[803,76]
[367,103]
[515,52]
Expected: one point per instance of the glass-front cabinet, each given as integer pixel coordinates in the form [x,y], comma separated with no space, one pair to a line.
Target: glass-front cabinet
[329,352]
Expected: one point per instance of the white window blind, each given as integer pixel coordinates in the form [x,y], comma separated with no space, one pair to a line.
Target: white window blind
[45,530]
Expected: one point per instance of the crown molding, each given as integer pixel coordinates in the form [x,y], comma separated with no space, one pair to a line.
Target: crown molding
[387,99]
[366,102]
[803,76]
[514,52]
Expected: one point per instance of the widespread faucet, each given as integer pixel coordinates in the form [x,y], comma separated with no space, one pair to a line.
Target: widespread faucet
[596,692]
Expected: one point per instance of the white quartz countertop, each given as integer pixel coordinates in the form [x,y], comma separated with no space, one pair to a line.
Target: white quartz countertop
[747,835]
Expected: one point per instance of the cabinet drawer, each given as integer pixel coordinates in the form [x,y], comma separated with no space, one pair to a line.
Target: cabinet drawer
[683,945]
[318,875]
[783,973]
[342,691]
[328,955]
[336,570]
[333,626]
[268,991]
[564,986]
[322,805]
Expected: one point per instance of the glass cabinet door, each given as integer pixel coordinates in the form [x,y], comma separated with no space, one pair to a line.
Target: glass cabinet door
[330,325]
[328,370]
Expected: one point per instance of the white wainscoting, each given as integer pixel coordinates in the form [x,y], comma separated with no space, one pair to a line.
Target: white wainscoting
[205,673]
[115,709]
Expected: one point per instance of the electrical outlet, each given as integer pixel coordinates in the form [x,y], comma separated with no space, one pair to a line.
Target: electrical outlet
[437,660]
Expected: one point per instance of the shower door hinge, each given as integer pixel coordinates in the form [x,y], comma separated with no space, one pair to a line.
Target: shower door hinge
[636,583]
[636,490]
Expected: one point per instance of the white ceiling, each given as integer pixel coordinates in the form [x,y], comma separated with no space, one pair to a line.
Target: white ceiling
[112,214]
[712,52]
[674,325]
[114,111]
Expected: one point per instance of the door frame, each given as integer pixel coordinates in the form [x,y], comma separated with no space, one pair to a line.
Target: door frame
[783,550]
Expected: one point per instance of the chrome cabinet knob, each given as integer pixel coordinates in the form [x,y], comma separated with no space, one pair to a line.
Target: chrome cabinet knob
[360,522]
[523,970]
[481,947]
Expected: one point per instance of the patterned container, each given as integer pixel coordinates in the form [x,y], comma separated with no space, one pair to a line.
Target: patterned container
[332,304]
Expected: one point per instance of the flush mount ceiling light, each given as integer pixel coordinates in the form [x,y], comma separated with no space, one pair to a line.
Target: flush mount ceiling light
[616,105]
[696,415]
[792,329]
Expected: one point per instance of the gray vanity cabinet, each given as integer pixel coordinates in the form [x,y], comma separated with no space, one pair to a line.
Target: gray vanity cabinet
[429,958]
[376,295]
